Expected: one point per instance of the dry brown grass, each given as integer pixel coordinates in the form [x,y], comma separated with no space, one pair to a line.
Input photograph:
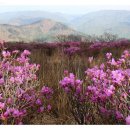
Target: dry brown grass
[53,63]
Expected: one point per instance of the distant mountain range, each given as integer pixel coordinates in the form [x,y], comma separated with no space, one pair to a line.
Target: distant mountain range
[46,30]
[111,21]
[32,25]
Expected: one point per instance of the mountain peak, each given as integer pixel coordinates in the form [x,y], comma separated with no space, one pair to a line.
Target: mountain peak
[42,29]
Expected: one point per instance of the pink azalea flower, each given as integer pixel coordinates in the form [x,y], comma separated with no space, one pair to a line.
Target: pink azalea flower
[6,54]
[12,79]
[38,102]
[90,59]
[109,55]
[41,109]
[1,96]
[1,81]
[26,52]
[127,120]
[16,113]
[113,62]
[15,51]
[2,105]
[49,107]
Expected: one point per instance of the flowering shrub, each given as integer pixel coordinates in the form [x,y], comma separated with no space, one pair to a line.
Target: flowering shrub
[19,84]
[71,50]
[100,45]
[76,94]
[107,89]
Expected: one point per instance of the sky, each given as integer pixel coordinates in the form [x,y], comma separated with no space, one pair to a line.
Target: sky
[64,2]
[64,6]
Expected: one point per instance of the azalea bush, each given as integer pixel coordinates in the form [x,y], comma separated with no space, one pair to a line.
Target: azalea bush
[98,46]
[76,94]
[108,87]
[104,96]
[19,87]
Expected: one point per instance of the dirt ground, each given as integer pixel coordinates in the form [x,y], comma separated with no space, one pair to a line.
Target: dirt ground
[50,119]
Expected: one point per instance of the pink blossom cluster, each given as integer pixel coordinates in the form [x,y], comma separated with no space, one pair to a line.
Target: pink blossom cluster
[71,50]
[19,84]
[101,45]
[107,88]
[76,94]
[71,84]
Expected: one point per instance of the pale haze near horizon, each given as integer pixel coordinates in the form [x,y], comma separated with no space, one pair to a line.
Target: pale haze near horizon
[63,6]
[72,10]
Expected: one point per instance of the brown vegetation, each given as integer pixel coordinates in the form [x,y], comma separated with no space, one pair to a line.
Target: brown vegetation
[53,62]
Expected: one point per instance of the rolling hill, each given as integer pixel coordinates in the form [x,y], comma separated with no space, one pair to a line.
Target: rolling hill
[28,17]
[111,21]
[44,29]
[33,25]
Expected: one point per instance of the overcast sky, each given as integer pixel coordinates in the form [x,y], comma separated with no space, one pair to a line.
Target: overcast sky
[64,6]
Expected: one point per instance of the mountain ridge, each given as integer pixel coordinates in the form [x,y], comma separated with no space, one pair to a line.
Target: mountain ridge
[31,25]
[111,21]
[42,29]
